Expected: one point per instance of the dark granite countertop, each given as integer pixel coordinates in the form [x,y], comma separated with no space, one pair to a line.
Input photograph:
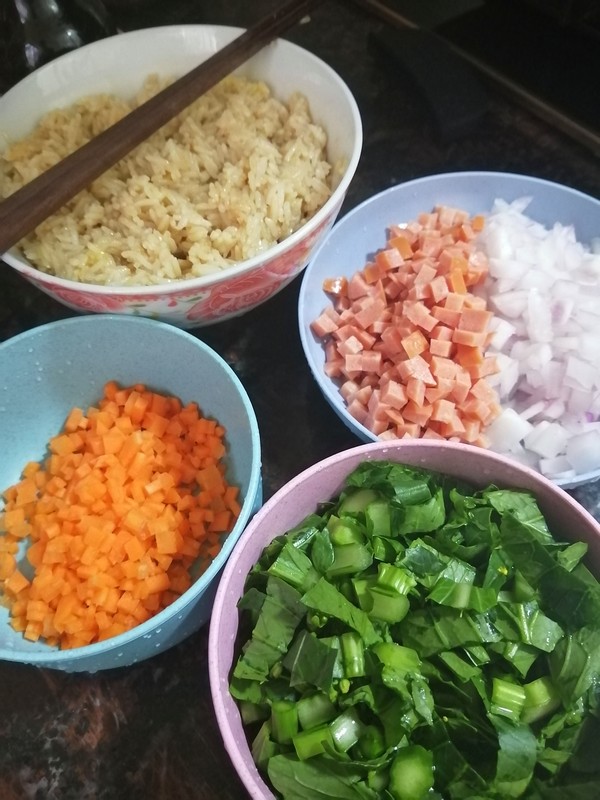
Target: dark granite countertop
[148,731]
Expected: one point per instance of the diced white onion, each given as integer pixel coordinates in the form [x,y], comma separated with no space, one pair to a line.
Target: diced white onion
[507,431]
[544,289]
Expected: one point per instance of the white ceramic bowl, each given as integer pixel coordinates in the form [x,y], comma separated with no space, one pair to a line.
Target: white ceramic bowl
[319,483]
[118,65]
[363,231]
[47,371]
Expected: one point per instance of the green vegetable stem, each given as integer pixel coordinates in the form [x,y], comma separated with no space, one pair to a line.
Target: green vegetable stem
[422,639]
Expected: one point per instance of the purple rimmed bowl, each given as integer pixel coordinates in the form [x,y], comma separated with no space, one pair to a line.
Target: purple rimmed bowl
[301,495]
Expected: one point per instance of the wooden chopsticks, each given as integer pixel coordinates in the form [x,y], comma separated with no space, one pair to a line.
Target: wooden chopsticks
[22,211]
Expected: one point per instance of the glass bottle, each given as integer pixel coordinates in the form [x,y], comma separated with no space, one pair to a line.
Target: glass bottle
[33,32]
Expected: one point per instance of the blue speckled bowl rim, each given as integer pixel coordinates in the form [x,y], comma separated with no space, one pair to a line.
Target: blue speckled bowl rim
[253,498]
[327,386]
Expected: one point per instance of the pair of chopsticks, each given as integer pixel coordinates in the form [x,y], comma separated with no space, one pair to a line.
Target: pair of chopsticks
[22,211]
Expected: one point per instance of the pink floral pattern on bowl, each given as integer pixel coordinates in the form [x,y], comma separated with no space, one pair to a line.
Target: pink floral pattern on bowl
[189,306]
[119,65]
[230,298]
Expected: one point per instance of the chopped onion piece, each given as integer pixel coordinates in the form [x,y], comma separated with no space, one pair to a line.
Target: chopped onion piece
[544,289]
[556,467]
[583,451]
[507,431]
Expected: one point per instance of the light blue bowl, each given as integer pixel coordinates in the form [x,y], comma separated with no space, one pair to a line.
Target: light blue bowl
[48,370]
[362,232]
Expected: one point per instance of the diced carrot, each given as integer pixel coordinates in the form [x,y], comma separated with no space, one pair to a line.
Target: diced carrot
[109,517]
[15,583]
[8,565]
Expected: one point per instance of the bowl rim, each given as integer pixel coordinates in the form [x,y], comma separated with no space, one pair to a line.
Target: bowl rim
[190,285]
[223,703]
[326,384]
[52,655]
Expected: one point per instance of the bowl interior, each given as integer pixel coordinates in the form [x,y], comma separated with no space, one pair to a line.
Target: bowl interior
[119,64]
[363,231]
[48,370]
[319,483]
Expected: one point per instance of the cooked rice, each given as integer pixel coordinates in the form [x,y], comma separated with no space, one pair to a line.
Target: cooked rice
[234,174]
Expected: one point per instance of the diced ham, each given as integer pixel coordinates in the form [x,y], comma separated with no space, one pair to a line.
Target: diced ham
[438,347]
[414,344]
[335,286]
[323,325]
[416,367]
[443,367]
[406,339]
[358,410]
[417,413]
[403,243]
[350,345]
[388,259]
[448,316]
[470,338]
[419,314]
[456,281]
[334,368]
[358,286]
[415,391]
[394,394]
[348,389]
[346,331]
[370,312]
[439,288]
[474,319]
[408,430]
[442,332]
[443,410]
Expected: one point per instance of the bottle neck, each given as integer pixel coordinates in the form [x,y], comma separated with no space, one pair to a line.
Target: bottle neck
[36,31]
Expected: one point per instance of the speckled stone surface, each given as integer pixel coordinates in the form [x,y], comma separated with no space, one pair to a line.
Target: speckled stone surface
[149,731]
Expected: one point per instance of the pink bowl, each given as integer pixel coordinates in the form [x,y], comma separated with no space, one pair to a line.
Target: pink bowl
[320,482]
[118,65]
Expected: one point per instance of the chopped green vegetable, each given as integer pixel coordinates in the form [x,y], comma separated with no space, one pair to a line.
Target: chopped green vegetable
[419,639]
[411,773]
